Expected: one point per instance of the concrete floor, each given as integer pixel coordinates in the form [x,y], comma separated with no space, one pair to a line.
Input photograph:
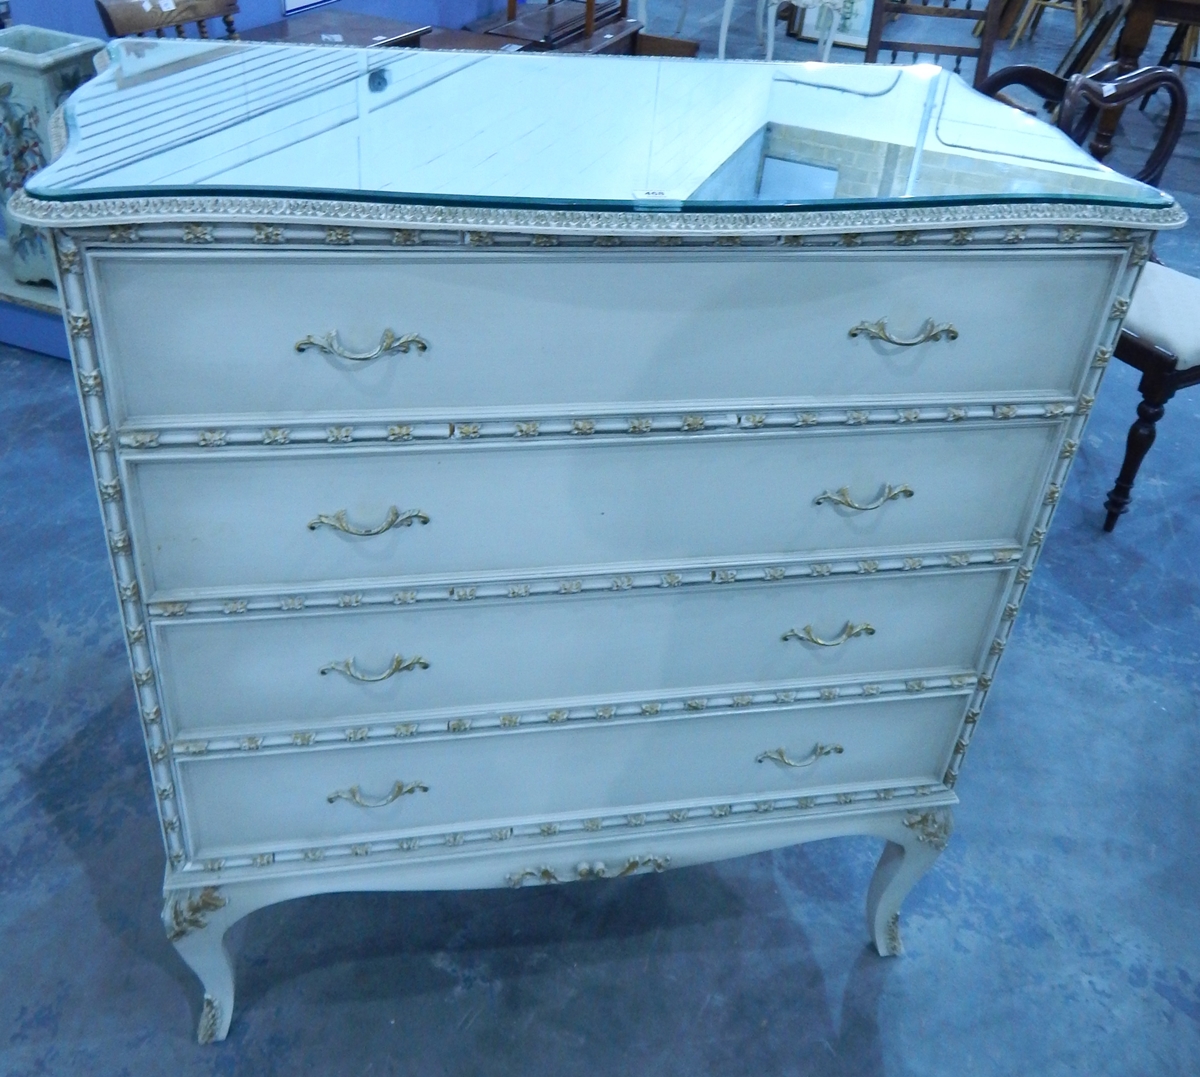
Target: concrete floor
[1057,934]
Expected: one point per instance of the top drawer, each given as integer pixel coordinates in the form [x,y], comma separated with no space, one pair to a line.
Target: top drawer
[214,334]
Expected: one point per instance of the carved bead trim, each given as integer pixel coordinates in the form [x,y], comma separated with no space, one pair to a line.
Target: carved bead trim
[68,259]
[671,708]
[1068,451]
[701,425]
[198,233]
[380,220]
[599,581]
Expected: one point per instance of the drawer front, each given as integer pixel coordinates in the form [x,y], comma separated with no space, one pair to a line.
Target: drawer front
[268,801]
[263,522]
[253,671]
[569,331]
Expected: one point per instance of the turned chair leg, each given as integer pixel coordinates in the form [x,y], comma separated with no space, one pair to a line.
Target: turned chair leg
[1155,394]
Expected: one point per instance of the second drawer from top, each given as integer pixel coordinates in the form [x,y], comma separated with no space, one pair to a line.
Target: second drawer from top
[299,519]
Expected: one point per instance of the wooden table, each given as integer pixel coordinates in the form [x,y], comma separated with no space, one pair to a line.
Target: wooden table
[440,37]
[326,27]
[1135,34]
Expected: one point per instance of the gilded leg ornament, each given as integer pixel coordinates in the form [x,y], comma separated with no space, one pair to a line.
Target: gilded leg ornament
[196,922]
[917,842]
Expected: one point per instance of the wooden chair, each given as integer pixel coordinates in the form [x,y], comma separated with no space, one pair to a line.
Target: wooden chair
[1161,338]
[1161,334]
[1180,52]
[769,12]
[1081,98]
[1034,9]
[987,13]
[1084,52]
[125,18]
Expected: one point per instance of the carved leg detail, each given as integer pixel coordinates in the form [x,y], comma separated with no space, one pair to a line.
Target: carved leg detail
[918,842]
[1137,445]
[196,922]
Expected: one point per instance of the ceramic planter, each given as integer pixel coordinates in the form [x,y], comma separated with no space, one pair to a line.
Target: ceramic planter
[38,70]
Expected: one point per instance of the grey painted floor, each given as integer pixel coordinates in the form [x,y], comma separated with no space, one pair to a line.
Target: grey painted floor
[1057,935]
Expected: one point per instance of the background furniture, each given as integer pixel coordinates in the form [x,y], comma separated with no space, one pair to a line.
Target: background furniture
[961,46]
[458,594]
[554,24]
[1032,13]
[1085,51]
[767,12]
[329,26]
[1139,22]
[123,18]
[1081,99]
[1161,338]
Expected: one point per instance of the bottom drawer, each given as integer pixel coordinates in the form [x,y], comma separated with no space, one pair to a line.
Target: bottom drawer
[251,803]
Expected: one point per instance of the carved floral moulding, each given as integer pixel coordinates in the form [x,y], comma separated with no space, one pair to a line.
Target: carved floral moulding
[969,556]
[575,713]
[196,209]
[544,836]
[696,423]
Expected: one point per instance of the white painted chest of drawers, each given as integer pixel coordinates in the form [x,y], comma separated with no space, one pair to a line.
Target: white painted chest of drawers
[460,547]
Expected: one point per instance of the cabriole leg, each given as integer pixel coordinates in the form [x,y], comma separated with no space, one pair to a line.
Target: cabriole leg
[196,922]
[917,842]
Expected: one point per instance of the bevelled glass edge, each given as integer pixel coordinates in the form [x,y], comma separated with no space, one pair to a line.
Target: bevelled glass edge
[965,212]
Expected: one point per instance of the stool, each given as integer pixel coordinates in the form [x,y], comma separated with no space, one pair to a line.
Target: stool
[1161,338]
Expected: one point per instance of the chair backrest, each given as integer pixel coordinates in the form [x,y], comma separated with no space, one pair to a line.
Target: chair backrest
[963,43]
[122,18]
[1081,98]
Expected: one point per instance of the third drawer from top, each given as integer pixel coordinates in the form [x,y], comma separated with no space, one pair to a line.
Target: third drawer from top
[306,670]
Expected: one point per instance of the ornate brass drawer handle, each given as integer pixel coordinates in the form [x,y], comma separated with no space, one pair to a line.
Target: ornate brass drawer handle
[929,331]
[389,343]
[849,631]
[779,755]
[400,664]
[394,518]
[842,497]
[355,796]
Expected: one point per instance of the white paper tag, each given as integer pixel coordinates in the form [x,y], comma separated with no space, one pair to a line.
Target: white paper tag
[147,6]
[332,39]
[166,5]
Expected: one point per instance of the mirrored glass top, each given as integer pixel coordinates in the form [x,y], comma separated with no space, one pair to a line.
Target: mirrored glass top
[523,130]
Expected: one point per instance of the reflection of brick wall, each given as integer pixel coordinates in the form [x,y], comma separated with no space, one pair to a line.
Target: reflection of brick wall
[947,173]
[865,168]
